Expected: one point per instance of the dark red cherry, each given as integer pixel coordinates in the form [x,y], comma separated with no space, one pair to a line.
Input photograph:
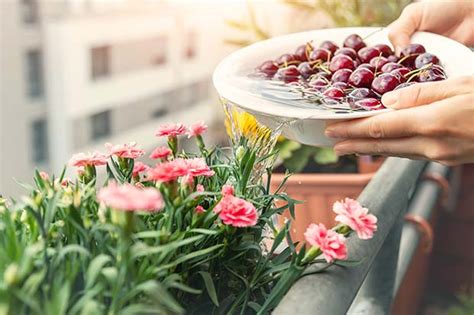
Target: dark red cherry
[288,74]
[384,83]
[340,85]
[318,84]
[268,68]
[320,54]
[389,66]
[360,93]
[434,73]
[367,53]
[354,41]
[384,49]
[329,45]
[404,85]
[361,77]
[341,62]
[341,75]
[302,52]
[401,73]
[322,75]
[409,54]
[378,62]
[367,66]
[424,59]
[305,69]
[369,104]
[347,51]
[287,59]
[392,58]
[334,93]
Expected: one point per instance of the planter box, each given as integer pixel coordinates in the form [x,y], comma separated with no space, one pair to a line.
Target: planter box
[320,191]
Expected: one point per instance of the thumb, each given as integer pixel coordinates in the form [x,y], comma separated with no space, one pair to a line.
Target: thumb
[426,93]
[401,29]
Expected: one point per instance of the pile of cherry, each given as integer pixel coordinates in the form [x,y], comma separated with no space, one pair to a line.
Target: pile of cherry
[354,73]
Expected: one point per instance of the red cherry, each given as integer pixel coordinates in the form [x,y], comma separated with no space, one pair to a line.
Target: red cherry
[303,51]
[287,59]
[409,54]
[389,66]
[341,62]
[367,66]
[384,49]
[318,84]
[340,85]
[369,104]
[404,85]
[341,75]
[425,59]
[329,45]
[268,68]
[368,53]
[361,77]
[288,74]
[435,73]
[378,62]
[305,69]
[384,83]
[400,73]
[354,41]
[320,54]
[334,93]
[347,51]
[392,58]
[360,93]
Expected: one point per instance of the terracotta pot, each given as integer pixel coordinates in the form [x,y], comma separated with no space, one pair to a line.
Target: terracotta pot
[319,192]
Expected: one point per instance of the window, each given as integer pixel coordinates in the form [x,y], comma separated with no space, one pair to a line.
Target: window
[191,43]
[100,66]
[159,57]
[100,125]
[39,141]
[29,11]
[34,67]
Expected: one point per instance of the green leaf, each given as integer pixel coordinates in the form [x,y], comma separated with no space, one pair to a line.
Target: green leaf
[211,289]
[326,156]
[95,268]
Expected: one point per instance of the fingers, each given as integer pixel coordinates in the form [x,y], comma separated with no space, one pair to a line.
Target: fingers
[401,30]
[427,93]
[388,125]
[412,147]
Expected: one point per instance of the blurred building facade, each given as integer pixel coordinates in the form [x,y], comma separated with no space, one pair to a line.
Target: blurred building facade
[76,74]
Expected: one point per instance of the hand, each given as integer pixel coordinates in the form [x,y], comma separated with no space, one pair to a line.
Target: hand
[433,121]
[453,19]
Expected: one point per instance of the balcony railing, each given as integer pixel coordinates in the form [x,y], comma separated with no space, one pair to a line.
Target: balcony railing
[401,186]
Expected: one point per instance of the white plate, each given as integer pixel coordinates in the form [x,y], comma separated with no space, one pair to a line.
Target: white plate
[305,124]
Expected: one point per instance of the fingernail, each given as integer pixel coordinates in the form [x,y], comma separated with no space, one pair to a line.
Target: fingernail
[340,151]
[390,99]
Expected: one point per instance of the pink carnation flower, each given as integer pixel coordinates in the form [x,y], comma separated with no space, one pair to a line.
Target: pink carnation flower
[44,175]
[168,171]
[351,213]
[160,153]
[236,211]
[130,198]
[199,188]
[139,167]
[227,190]
[66,182]
[197,129]
[127,150]
[199,209]
[332,244]
[171,130]
[83,159]
[198,167]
